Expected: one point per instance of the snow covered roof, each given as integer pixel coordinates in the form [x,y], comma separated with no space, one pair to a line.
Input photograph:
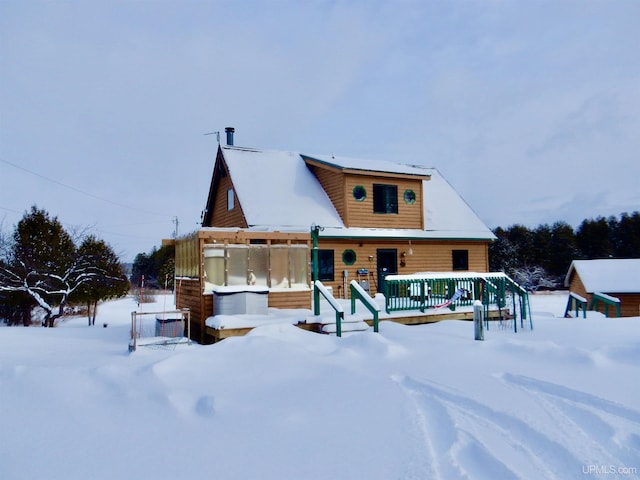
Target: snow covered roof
[369,165]
[277,190]
[447,215]
[607,275]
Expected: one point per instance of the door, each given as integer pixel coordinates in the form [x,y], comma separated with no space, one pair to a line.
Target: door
[387,259]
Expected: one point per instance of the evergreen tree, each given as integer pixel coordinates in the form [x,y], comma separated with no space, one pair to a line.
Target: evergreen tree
[111,283]
[43,267]
[502,253]
[562,250]
[541,249]
[594,238]
[42,264]
[626,236]
[157,267]
[523,240]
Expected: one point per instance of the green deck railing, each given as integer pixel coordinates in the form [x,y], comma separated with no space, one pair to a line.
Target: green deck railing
[577,303]
[451,290]
[358,293]
[607,301]
[320,289]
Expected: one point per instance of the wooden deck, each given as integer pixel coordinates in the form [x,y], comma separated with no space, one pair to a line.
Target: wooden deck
[214,335]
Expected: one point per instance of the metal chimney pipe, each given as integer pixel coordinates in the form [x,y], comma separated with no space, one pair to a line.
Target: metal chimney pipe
[229,131]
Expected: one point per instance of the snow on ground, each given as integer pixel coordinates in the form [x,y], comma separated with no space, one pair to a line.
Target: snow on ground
[412,402]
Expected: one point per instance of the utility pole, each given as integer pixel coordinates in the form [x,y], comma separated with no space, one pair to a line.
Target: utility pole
[175,233]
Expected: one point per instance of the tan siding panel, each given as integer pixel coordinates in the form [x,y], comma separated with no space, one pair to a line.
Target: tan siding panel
[433,256]
[290,300]
[360,213]
[333,184]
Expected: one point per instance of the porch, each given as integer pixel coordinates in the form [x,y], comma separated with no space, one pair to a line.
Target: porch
[504,302]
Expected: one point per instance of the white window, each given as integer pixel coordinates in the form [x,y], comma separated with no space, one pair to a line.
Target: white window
[230,199]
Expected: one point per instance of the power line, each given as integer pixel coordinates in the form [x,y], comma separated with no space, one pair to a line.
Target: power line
[10,210]
[75,189]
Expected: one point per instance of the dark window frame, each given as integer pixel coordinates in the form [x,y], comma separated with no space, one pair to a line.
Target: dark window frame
[385,198]
[349,257]
[326,265]
[460,260]
[409,196]
[359,193]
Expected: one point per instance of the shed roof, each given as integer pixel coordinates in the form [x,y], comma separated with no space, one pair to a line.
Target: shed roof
[277,190]
[607,275]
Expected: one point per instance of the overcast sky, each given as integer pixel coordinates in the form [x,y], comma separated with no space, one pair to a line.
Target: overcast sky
[530,108]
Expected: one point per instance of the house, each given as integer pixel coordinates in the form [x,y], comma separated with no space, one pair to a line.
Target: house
[371,219]
[617,278]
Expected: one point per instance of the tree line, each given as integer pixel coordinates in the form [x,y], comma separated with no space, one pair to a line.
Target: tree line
[540,257]
[156,267]
[44,265]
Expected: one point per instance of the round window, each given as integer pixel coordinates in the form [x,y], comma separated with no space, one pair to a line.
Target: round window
[410,197]
[349,257]
[359,193]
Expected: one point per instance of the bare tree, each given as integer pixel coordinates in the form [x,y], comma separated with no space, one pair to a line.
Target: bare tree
[42,263]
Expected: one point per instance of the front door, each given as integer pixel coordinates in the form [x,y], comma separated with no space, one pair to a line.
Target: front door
[387,265]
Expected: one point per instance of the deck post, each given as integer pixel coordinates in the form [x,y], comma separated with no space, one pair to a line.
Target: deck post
[315,234]
[134,335]
[478,320]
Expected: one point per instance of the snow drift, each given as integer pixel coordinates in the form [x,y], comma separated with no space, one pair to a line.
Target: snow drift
[420,402]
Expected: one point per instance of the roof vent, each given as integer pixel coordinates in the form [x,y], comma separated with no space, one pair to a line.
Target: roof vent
[229,131]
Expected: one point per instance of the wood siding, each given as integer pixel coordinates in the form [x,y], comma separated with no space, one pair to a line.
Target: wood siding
[360,213]
[290,300]
[339,188]
[333,184]
[576,286]
[629,302]
[432,256]
[189,295]
[222,216]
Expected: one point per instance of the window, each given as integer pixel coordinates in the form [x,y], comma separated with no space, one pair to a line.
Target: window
[385,198]
[258,273]
[409,197]
[325,266]
[359,193]
[460,259]
[230,199]
[214,265]
[237,264]
[349,257]
[276,266]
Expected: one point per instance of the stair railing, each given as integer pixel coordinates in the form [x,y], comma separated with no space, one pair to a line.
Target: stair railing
[320,289]
[358,293]
[578,303]
[607,300]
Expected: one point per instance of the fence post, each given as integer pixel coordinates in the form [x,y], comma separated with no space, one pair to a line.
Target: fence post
[478,320]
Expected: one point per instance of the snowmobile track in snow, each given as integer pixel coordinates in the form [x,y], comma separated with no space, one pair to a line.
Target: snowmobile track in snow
[457,431]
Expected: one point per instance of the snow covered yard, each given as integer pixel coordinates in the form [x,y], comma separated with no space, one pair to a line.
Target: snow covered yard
[413,402]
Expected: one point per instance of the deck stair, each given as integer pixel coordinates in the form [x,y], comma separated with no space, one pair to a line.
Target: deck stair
[349,324]
[337,322]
